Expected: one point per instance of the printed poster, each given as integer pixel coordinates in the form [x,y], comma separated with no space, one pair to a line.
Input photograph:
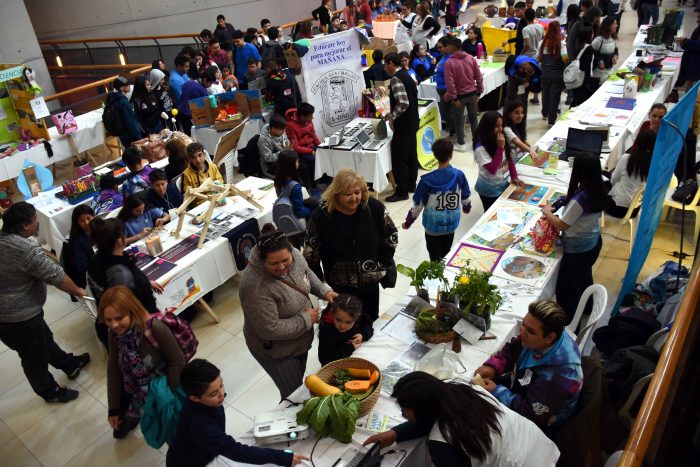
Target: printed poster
[334,81]
[428,132]
[180,290]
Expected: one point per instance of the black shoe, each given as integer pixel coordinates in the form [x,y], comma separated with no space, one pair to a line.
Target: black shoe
[62,394]
[534,100]
[81,360]
[396,197]
[126,424]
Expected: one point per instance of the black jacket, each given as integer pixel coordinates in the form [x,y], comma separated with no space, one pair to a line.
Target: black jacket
[107,270]
[77,254]
[333,344]
[201,436]
[171,200]
[351,259]
[283,90]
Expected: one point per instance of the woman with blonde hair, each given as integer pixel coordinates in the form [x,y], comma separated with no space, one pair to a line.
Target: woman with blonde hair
[351,242]
[140,349]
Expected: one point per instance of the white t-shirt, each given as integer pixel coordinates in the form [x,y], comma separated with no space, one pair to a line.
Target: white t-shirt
[489,184]
[520,444]
[534,33]
[584,228]
[624,186]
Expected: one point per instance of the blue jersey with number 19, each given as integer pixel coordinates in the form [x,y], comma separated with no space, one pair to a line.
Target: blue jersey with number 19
[442,194]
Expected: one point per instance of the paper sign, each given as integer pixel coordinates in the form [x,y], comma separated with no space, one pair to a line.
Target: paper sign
[468,331]
[39,107]
[11,73]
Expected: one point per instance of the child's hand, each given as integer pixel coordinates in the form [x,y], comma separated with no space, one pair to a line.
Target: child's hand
[297,458]
[501,140]
[356,340]
[518,183]
[405,226]
[146,231]
[466,208]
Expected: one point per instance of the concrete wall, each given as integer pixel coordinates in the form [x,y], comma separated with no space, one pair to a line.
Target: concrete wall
[19,43]
[74,19]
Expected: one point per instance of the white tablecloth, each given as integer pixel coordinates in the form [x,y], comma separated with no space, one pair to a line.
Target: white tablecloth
[209,137]
[90,134]
[55,215]
[214,263]
[493,79]
[373,165]
[621,136]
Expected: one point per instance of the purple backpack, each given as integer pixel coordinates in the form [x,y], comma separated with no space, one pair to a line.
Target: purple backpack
[180,328]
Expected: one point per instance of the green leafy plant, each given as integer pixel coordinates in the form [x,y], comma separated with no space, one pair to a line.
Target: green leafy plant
[425,270]
[333,416]
[471,286]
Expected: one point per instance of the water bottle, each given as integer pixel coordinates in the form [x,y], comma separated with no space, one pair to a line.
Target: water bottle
[364,60]
[479,50]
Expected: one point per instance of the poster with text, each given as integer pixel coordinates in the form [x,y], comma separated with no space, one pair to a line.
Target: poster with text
[180,290]
[334,81]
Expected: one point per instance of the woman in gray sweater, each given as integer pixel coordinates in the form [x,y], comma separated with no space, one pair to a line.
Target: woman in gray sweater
[278,313]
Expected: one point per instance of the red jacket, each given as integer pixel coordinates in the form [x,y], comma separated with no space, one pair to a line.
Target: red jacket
[301,135]
[462,76]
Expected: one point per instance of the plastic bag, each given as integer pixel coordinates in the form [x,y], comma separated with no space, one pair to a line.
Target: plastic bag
[441,362]
[543,234]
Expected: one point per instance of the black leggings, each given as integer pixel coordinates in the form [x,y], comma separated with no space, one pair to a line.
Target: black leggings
[575,276]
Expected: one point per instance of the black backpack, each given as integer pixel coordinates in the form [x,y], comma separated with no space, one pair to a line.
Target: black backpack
[110,116]
[249,159]
[632,327]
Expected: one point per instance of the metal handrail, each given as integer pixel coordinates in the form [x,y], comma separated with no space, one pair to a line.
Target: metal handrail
[97,67]
[96,84]
[656,400]
[53,43]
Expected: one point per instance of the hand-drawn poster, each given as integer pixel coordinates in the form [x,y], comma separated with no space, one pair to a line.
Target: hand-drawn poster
[334,81]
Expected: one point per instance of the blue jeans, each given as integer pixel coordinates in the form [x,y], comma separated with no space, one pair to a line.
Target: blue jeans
[651,10]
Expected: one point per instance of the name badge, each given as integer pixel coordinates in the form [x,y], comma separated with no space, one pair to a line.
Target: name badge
[527,377]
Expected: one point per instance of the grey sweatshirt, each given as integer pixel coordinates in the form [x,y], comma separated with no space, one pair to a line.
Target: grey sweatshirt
[276,324]
[24,272]
[269,148]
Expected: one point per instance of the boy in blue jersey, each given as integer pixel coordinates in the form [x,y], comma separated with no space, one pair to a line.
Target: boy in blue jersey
[441,192]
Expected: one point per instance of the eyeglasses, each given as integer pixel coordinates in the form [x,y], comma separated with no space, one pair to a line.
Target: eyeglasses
[273,239]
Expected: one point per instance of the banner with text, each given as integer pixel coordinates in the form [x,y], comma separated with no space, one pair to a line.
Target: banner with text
[666,150]
[333,79]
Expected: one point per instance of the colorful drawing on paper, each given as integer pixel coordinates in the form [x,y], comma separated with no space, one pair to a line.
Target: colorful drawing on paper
[531,194]
[481,258]
[555,195]
[524,267]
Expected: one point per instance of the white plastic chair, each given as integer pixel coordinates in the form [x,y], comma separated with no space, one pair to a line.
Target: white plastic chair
[600,301]
[614,459]
[113,214]
[89,305]
[634,204]
[177,181]
[691,207]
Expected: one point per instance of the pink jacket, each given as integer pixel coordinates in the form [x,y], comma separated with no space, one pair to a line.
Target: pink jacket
[462,76]
[302,136]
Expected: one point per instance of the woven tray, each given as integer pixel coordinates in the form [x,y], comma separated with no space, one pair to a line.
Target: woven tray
[431,338]
[327,374]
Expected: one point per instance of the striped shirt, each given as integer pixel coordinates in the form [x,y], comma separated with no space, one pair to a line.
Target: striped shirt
[24,272]
[399,91]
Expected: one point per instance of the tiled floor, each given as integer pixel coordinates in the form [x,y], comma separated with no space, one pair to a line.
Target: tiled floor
[77,434]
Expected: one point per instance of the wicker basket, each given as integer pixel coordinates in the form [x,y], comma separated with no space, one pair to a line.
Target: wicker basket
[327,374]
[431,338]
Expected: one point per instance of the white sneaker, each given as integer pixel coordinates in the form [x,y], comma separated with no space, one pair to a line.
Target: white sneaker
[460,147]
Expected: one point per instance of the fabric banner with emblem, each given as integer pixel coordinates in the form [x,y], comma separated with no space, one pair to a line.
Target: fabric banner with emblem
[333,79]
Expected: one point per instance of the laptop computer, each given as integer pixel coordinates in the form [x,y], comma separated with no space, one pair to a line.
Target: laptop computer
[605,131]
[366,143]
[578,141]
[360,457]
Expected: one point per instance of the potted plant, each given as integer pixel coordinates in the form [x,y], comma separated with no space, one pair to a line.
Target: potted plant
[425,270]
[478,299]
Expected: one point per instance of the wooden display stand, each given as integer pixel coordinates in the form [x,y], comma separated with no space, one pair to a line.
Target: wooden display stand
[214,193]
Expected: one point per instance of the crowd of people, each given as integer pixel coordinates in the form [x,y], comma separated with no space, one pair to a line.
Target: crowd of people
[342,249]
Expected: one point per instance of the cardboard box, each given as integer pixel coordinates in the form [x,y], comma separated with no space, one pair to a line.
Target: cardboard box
[249,104]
